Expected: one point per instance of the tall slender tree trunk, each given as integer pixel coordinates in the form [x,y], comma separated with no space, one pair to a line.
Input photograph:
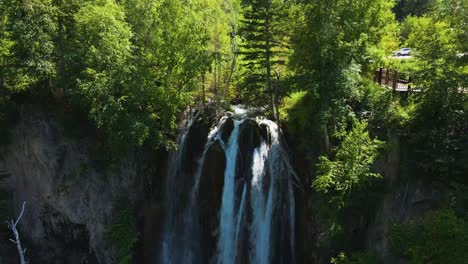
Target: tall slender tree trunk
[203,90]
[234,57]
[268,61]
[2,62]
[276,97]
[60,52]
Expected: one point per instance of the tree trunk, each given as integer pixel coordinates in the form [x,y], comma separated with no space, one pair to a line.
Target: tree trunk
[268,63]
[203,90]
[276,98]
[12,225]
[234,57]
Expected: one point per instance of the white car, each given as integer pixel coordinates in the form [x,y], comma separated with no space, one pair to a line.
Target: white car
[402,52]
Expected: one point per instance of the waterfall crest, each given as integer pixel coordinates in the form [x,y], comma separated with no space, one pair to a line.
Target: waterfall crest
[230,194]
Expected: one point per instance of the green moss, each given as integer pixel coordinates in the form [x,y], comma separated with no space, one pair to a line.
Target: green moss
[290,104]
[297,113]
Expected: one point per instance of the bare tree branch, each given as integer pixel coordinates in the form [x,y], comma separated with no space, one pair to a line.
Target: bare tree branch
[21,214]
[12,225]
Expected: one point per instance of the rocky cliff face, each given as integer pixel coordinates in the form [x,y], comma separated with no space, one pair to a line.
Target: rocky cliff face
[70,197]
[403,201]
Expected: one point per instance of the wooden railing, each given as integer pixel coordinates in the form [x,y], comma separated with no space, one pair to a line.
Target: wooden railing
[394,80]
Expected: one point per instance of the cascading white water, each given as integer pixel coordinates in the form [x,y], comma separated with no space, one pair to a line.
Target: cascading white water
[226,242]
[257,200]
[264,202]
[179,243]
[261,202]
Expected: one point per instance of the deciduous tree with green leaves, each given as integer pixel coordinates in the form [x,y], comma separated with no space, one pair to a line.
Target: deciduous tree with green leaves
[332,49]
[440,237]
[27,46]
[349,165]
[439,128]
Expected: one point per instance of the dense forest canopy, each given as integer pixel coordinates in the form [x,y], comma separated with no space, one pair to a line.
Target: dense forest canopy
[127,69]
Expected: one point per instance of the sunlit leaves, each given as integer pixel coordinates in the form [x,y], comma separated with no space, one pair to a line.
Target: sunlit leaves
[104,36]
[349,167]
[29,28]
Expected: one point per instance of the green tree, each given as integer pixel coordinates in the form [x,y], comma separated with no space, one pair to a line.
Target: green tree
[27,49]
[264,50]
[439,128]
[5,43]
[222,23]
[406,8]
[350,166]
[68,52]
[103,41]
[440,237]
[170,40]
[332,49]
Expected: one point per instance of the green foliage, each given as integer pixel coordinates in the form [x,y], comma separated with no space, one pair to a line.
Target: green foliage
[170,40]
[296,115]
[104,37]
[356,258]
[292,112]
[455,12]
[264,50]
[222,49]
[406,8]
[106,49]
[27,43]
[349,168]
[332,48]
[458,199]
[122,234]
[137,73]
[404,66]
[130,66]
[440,237]
[431,38]
[383,110]
[441,113]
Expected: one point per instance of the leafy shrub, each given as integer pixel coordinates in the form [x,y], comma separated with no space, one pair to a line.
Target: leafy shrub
[357,258]
[346,184]
[122,234]
[297,112]
[440,237]
[350,165]
[404,66]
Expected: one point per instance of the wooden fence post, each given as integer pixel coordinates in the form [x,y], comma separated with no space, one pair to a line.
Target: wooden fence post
[380,76]
[395,80]
[387,75]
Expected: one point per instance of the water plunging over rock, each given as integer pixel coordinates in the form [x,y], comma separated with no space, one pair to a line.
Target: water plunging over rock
[230,196]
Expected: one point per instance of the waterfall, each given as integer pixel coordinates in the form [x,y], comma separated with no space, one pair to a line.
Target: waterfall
[229,194]
[228,226]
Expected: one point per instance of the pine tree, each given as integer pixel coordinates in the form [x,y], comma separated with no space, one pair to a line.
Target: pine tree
[264,49]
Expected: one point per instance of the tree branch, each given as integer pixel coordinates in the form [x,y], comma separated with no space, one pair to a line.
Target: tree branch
[12,225]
